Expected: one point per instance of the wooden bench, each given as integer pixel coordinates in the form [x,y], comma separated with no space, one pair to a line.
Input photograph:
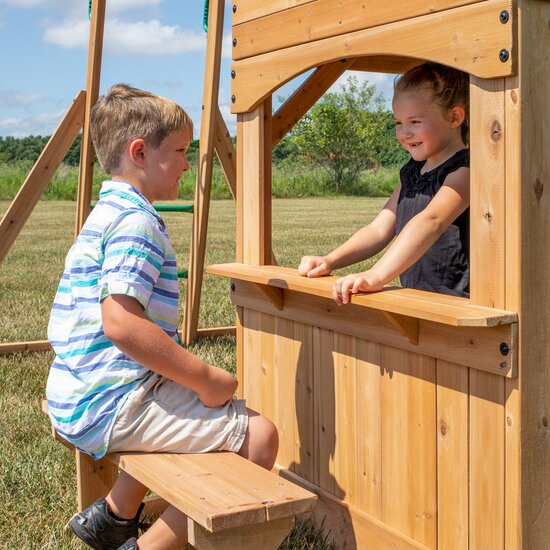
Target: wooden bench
[230,502]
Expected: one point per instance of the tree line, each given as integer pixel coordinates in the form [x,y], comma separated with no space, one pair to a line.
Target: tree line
[345,133]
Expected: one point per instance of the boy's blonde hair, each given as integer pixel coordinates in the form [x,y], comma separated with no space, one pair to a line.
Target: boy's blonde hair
[124,114]
[450,88]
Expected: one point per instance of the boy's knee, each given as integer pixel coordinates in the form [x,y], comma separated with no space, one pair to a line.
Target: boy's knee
[262,441]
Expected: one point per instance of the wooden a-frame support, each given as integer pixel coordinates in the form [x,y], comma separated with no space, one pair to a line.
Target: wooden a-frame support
[214,137]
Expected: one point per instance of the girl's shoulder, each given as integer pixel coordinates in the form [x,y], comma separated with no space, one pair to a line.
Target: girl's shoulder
[413,180]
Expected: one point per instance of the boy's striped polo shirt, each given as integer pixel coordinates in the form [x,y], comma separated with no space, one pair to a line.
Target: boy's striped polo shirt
[123,248]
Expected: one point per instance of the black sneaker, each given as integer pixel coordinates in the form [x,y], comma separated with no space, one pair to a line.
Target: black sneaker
[100,530]
[130,544]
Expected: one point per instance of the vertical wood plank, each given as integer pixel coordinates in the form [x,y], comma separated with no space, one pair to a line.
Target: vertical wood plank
[256,185]
[409,444]
[324,405]
[534,283]
[303,395]
[286,402]
[452,456]
[94,478]
[266,366]
[369,445]
[345,455]
[512,511]
[486,460]
[488,192]
[252,359]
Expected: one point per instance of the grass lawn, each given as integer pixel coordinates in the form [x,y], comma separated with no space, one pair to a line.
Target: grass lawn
[37,474]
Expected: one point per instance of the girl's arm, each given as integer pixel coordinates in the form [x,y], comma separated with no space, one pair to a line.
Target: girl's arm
[125,324]
[414,240]
[363,244]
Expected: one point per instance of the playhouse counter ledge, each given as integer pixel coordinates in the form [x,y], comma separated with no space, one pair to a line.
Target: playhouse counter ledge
[418,304]
[447,327]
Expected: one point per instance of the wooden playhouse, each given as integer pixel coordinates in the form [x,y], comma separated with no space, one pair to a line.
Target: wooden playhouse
[421,420]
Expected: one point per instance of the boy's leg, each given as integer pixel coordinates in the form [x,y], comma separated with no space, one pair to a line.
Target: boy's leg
[126,496]
[261,443]
[109,522]
[169,532]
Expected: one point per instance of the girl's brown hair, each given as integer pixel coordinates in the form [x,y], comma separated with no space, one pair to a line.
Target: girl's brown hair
[450,88]
[124,114]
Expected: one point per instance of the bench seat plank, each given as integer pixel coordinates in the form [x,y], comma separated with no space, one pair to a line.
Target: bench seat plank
[217,490]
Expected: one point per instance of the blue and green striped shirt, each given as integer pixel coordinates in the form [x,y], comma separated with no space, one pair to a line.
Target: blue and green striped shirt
[123,248]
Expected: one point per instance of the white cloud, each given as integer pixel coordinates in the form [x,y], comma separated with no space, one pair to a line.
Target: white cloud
[72,33]
[43,124]
[383,82]
[143,37]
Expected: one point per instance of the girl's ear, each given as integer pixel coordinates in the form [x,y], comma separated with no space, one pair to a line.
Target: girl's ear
[137,151]
[458,114]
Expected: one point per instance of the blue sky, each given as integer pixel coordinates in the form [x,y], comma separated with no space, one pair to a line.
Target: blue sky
[158,45]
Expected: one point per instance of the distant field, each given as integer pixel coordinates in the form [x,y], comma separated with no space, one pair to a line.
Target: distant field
[37,476]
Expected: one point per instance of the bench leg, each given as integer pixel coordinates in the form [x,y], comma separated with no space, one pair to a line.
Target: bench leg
[260,536]
[94,478]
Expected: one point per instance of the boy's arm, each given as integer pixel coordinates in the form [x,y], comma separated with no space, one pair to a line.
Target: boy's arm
[363,244]
[415,239]
[125,324]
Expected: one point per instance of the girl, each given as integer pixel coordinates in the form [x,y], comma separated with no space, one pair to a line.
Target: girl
[428,211]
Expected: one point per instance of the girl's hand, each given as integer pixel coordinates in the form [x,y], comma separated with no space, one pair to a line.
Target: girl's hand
[367,281]
[314,266]
[218,388]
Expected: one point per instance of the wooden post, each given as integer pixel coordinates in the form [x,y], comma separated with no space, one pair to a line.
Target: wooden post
[94,478]
[204,169]
[532,285]
[85,177]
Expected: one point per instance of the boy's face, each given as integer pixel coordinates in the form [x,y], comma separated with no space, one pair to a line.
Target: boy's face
[165,166]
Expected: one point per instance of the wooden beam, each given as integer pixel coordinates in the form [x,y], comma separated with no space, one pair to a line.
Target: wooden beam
[41,173]
[407,326]
[325,18]
[473,347]
[226,151]
[297,105]
[204,169]
[429,306]
[385,64]
[20,347]
[258,77]
[86,173]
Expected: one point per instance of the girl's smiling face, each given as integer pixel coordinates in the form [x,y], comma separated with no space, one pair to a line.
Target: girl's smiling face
[425,129]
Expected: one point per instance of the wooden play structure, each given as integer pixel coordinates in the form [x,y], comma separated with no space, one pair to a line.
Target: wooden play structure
[420,420]
[214,139]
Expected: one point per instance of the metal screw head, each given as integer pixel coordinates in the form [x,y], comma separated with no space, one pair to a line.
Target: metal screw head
[504,348]
[234,42]
[504,55]
[504,16]
[232,287]
[233,99]
[234,8]
[233,74]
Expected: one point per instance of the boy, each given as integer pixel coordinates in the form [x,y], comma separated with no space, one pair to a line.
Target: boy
[120,380]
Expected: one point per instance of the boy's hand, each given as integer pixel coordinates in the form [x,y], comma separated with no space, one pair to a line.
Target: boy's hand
[314,266]
[219,387]
[367,281]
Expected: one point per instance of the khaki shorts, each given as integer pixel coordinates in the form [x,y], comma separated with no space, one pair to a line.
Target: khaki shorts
[162,416]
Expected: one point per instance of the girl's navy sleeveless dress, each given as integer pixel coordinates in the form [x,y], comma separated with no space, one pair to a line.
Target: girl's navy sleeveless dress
[445,268]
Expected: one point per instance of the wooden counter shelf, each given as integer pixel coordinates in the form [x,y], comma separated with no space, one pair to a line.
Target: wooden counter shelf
[403,308]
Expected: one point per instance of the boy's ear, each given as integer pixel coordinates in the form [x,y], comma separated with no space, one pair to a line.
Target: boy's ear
[458,114]
[137,151]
